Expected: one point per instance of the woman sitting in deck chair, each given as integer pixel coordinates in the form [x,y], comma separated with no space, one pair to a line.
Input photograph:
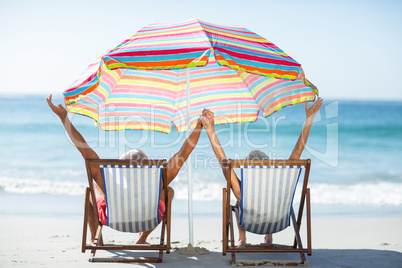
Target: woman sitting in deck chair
[173,166]
[207,120]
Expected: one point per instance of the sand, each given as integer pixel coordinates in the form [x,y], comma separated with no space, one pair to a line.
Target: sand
[337,242]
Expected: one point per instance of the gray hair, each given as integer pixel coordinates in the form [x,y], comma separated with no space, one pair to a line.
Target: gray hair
[135,154]
[256,155]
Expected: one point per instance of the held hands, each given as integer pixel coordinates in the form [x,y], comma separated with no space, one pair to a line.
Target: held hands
[207,120]
[59,110]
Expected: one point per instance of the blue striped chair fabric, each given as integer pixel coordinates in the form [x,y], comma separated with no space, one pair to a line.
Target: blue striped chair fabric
[267,196]
[132,196]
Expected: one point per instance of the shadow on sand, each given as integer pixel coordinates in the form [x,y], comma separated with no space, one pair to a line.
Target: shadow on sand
[321,258]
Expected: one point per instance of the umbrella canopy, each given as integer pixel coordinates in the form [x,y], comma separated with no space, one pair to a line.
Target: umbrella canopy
[141,84]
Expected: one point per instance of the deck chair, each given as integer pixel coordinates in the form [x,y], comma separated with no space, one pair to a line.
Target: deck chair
[267,191]
[132,192]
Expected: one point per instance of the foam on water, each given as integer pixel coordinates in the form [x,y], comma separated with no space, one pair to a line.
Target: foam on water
[29,186]
[382,193]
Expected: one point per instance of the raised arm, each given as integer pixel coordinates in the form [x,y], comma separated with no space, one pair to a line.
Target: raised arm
[77,139]
[176,162]
[72,132]
[209,125]
[301,142]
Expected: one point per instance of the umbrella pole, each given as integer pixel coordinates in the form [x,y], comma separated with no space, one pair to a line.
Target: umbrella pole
[190,186]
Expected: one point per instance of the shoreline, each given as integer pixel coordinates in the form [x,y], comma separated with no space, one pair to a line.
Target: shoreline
[46,241]
[69,206]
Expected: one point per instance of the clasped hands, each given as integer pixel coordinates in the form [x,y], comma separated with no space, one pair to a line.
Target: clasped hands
[207,120]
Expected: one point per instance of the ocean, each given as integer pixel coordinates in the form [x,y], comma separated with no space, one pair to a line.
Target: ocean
[355,148]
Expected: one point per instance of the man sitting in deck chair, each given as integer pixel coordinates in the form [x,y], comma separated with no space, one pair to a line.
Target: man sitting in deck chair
[173,166]
[207,120]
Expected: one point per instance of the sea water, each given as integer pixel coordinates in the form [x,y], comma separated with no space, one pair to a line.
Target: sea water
[355,148]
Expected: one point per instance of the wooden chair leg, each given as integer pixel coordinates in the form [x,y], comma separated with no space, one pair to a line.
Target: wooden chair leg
[85,227]
[162,238]
[224,225]
[169,218]
[309,246]
[299,217]
[232,239]
[298,238]
[97,240]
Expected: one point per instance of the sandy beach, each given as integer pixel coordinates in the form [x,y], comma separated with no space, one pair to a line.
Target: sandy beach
[133,74]
[337,242]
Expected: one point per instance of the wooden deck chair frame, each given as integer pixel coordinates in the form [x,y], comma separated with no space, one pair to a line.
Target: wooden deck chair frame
[228,223]
[98,245]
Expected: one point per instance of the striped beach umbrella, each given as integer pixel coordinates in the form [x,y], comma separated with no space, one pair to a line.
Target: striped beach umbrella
[166,73]
[143,82]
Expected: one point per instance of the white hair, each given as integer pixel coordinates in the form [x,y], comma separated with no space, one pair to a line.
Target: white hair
[135,154]
[256,155]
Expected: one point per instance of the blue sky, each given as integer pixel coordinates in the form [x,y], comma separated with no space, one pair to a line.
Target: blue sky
[348,49]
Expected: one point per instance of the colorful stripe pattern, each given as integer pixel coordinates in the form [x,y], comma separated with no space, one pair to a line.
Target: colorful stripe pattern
[132,197]
[267,197]
[189,44]
[141,84]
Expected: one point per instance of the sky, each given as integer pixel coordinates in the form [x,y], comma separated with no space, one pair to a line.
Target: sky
[348,49]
